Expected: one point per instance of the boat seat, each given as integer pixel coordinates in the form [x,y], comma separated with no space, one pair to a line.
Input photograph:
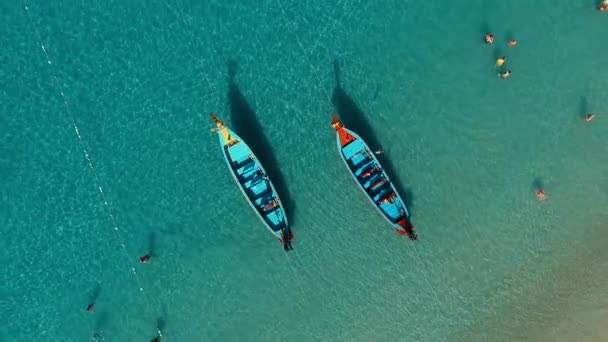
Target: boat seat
[245,179]
[372,178]
[252,194]
[277,227]
[376,181]
[261,201]
[384,194]
[239,165]
[269,211]
[373,174]
[369,180]
[374,192]
[361,163]
[262,194]
[366,169]
[253,182]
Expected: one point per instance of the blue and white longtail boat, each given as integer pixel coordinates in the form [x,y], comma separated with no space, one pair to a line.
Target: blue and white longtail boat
[365,168]
[254,183]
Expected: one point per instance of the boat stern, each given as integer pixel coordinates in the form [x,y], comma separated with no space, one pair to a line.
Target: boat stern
[286,242]
[406,228]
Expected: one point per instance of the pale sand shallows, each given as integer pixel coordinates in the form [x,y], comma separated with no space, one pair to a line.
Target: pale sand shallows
[566,301]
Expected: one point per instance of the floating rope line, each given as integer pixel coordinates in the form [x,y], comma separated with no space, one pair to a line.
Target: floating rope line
[85,150]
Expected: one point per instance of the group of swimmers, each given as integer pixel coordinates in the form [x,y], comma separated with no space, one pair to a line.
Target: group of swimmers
[500,61]
[96,335]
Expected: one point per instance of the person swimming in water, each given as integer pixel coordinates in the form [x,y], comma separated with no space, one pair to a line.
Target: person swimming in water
[589,117]
[540,194]
[144,259]
[378,152]
[505,74]
[489,38]
[603,7]
[500,61]
[90,307]
[512,43]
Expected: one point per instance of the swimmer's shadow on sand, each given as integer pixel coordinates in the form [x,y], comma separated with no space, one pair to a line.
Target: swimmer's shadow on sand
[245,123]
[353,118]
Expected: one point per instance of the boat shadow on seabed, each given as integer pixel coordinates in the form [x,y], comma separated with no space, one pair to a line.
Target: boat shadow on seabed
[245,123]
[354,118]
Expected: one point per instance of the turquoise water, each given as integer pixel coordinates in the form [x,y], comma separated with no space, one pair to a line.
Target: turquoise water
[467,148]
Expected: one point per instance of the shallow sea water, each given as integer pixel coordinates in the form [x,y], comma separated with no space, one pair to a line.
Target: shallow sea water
[413,78]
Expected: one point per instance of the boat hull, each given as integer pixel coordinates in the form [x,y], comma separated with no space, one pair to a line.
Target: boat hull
[254,184]
[371,178]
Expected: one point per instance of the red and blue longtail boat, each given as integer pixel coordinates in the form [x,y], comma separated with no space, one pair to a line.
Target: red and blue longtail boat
[365,168]
[250,176]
